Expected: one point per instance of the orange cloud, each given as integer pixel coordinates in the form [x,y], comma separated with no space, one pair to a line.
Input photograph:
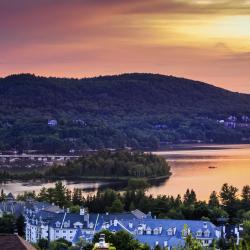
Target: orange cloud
[200,39]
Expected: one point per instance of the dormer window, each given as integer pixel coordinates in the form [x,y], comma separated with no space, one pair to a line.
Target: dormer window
[105,225]
[156,231]
[91,225]
[170,231]
[78,224]
[139,231]
[148,230]
[207,233]
[199,233]
[185,232]
[58,224]
[130,225]
[66,224]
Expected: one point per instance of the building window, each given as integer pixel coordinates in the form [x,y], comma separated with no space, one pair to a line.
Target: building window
[207,233]
[185,233]
[140,231]
[170,232]
[199,233]
[156,231]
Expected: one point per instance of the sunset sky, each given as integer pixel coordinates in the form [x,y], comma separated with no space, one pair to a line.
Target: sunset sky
[207,40]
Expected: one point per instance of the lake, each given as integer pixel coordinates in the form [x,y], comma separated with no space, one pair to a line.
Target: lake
[202,168]
[205,168]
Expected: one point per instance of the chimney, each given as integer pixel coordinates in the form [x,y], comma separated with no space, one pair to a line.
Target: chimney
[82,211]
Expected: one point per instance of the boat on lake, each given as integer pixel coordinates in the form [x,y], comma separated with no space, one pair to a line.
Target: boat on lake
[212,167]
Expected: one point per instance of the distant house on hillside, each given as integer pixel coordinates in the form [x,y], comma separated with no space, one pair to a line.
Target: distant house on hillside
[245,118]
[80,122]
[232,118]
[52,123]
[231,122]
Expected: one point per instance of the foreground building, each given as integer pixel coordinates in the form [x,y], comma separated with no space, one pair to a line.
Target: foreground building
[47,221]
[73,227]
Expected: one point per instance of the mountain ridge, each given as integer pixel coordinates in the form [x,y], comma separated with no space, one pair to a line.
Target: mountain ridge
[131,109]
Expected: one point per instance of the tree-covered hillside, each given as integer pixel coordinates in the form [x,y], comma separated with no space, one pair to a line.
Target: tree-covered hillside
[137,110]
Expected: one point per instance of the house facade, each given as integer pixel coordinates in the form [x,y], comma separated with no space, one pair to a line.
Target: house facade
[47,221]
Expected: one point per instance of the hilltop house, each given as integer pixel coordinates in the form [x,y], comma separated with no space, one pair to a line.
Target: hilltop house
[52,123]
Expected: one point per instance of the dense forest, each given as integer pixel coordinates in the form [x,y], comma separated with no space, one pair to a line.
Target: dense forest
[113,164]
[135,110]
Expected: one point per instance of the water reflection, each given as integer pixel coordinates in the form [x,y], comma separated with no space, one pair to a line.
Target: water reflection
[18,187]
[190,168]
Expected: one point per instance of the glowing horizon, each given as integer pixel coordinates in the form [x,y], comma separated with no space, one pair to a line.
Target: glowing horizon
[205,40]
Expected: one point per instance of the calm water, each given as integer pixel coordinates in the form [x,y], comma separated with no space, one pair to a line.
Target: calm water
[190,168]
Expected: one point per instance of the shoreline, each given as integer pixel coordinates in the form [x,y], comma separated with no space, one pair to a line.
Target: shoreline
[89,178]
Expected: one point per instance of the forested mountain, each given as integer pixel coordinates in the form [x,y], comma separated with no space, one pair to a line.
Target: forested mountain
[138,110]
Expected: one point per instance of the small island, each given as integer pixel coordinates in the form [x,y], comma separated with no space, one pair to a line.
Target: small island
[106,164]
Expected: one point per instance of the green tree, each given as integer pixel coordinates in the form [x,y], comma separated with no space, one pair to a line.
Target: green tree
[189,197]
[246,196]
[60,194]
[59,244]
[214,200]
[43,244]
[2,195]
[125,241]
[192,244]
[74,209]
[246,227]
[77,196]
[134,184]
[228,196]
[7,224]
[116,206]
[120,240]
[20,225]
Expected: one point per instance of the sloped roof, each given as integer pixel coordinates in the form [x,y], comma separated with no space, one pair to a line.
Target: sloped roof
[10,196]
[138,214]
[12,241]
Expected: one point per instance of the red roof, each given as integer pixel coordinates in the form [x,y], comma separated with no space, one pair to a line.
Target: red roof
[14,242]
